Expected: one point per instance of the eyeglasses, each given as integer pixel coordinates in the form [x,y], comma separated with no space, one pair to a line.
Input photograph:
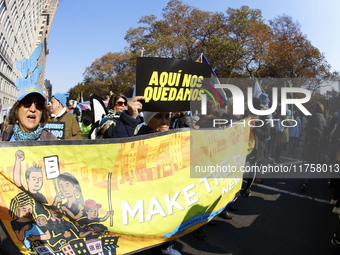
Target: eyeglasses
[27,104]
[120,103]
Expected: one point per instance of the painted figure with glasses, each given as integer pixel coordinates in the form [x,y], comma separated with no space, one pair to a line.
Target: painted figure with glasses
[28,117]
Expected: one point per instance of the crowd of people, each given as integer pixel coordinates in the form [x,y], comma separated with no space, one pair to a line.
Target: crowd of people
[319,134]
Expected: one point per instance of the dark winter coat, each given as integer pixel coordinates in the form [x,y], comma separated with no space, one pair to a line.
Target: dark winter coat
[125,126]
[144,130]
[261,133]
[314,138]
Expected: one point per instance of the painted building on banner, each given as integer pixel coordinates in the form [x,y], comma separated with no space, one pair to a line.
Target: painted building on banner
[24,27]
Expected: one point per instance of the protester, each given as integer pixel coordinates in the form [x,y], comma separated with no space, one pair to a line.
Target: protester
[261,134]
[334,121]
[282,135]
[335,160]
[28,117]
[183,119]
[294,134]
[332,127]
[116,105]
[154,122]
[158,122]
[312,150]
[264,100]
[336,195]
[5,124]
[26,120]
[73,108]
[273,130]
[228,113]
[303,127]
[86,123]
[213,112]
[126,123]
[2,124]
[207,121]
[59,114]
[106,98]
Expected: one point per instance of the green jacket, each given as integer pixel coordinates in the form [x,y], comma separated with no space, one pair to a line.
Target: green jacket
[72,128]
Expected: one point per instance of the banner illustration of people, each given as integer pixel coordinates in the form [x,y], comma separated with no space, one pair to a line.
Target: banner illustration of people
[113,197]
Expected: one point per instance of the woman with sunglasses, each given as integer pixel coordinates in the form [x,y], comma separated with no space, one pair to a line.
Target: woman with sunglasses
[124,123]
[117,104]
[28,117]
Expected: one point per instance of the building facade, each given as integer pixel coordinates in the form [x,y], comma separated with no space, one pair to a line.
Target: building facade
[24,24]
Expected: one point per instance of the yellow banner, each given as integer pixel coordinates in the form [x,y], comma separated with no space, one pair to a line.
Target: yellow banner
[115,195]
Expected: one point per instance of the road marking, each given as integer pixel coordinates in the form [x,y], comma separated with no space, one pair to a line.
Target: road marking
[296,162]
[292,161]
[288,161]
[293,193]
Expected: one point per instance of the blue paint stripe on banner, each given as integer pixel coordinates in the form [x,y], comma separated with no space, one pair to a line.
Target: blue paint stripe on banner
[193,221]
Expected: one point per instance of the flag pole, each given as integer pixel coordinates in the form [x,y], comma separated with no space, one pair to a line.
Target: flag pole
[292,97]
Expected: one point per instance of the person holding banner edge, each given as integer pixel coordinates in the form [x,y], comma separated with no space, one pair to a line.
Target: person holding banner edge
[158,122]
[155,122]
[28,117]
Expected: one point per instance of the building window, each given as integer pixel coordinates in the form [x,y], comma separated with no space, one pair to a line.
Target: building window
[2,10]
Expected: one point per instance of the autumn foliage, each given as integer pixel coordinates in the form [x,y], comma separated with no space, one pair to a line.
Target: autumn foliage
[237,42]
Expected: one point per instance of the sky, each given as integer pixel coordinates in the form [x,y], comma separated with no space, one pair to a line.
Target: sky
[84,30]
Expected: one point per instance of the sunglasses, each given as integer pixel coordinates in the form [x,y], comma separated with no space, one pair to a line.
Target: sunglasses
[27,104]
[120,103]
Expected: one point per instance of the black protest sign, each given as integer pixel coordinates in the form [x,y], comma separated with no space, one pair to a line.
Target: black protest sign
[56,128]
[170,84]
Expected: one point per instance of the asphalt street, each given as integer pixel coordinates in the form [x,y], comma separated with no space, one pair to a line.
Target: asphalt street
[278,218]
